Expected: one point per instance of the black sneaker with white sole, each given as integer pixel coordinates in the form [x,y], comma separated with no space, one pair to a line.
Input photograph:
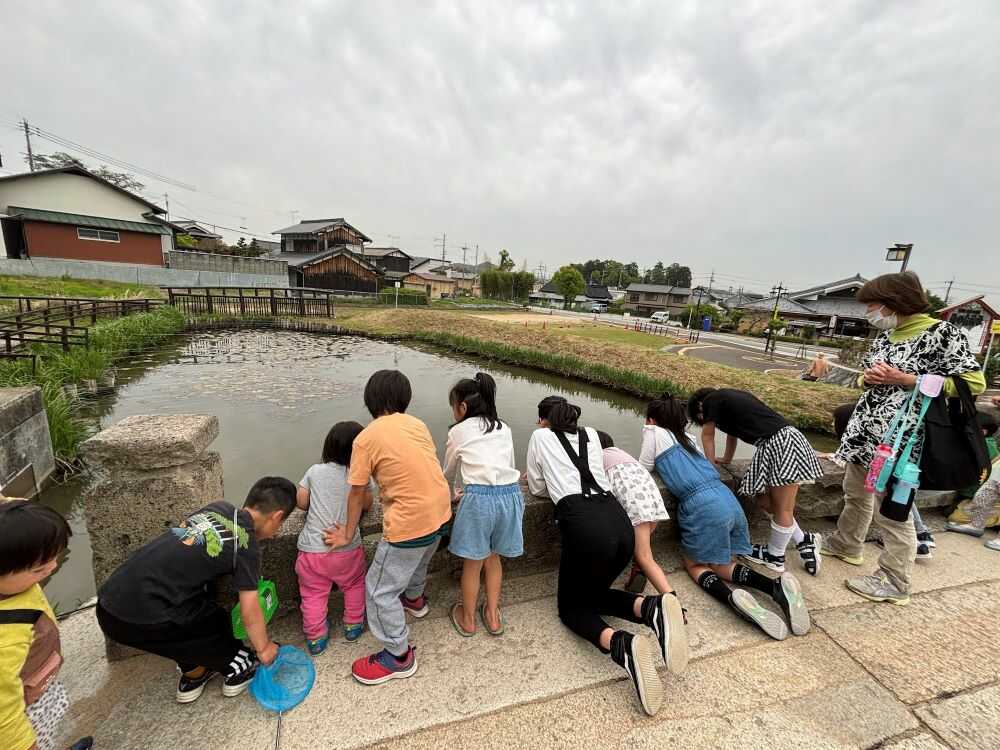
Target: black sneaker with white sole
[664,615]
[788,595]
[189,689]
[760,555]
[635,655]
[924,551]
[925,537]
[241,671]
[751,610]
[809,553]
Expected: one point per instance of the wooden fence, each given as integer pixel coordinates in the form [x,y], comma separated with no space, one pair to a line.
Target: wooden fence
[247,302]
[57,320]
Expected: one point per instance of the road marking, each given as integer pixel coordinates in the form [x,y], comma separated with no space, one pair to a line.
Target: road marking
[686,349]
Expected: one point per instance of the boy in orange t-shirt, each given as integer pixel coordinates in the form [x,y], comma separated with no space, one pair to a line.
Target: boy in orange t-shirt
[397,450]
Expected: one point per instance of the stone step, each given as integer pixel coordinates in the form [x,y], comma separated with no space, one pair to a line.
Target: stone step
[544,678]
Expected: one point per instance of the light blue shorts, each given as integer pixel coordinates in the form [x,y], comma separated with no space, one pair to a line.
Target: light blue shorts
[713,526]
[488,521]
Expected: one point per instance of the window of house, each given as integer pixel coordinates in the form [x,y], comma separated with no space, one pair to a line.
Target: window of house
[98,235]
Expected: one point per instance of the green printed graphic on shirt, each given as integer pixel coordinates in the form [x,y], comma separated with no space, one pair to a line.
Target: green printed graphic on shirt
[212,530]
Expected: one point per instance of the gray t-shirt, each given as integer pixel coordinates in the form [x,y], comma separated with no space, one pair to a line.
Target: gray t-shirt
[328,488]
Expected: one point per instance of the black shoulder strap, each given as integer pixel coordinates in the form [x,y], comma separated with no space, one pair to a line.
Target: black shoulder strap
[19,616]
[588,484]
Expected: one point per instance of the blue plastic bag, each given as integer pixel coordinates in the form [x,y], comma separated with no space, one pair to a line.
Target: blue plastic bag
[286,682]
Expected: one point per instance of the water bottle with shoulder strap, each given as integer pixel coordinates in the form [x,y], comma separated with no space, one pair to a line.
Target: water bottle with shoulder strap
[267,592]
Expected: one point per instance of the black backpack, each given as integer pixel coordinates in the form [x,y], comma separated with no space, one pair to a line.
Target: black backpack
[954,455]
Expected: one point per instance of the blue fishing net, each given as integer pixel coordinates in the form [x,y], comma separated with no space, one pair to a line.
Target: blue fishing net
[286,682]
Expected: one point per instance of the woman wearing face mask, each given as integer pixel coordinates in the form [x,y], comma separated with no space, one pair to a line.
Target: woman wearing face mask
[911,343]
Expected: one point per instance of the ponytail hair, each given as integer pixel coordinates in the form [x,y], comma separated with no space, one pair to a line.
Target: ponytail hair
[479,394]
[669,413]
[563,417]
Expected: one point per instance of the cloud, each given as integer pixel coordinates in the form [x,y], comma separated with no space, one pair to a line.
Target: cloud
[765,140]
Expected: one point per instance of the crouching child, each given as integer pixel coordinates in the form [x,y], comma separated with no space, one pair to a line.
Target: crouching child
[159,600]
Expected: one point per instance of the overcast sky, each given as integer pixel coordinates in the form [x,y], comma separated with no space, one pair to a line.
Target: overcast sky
[770,141]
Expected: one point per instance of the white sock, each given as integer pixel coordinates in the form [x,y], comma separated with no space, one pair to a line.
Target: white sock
[778,541]
[798,535]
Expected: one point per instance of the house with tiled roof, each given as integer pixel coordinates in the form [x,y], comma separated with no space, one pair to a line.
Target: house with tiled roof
[830,308]
[645,299]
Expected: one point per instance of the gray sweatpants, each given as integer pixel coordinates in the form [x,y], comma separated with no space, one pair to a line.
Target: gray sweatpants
[395,571]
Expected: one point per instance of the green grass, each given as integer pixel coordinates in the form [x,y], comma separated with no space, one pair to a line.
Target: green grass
[619,336]
[38,286]
[634,383]
[109,341]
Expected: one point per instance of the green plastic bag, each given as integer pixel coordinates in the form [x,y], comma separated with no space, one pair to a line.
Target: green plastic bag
[267,594]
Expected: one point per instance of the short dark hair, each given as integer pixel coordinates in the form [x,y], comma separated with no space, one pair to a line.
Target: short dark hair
[606,440]
[339,443]
[387,392]
[269,494]
[987,423]
[30,534]
[695,404]
[900,292]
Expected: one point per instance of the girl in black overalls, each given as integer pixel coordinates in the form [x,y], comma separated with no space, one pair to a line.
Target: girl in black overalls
[566,464]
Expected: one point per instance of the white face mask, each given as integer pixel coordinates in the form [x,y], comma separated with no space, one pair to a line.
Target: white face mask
[880,321]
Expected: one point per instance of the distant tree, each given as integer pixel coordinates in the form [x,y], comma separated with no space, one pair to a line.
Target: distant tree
[678,275]
[186,240]
[656,275]
[60,160]
[936,303]
[568,281]
[522,284]
[695,313]
[506,263]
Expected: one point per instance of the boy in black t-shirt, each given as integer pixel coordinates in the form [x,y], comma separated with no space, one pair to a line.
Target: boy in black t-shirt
[159,599]
[782,460]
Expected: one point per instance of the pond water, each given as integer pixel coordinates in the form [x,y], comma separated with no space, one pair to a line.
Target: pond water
[277,394]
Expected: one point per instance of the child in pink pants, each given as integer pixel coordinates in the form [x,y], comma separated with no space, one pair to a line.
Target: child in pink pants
[322,494]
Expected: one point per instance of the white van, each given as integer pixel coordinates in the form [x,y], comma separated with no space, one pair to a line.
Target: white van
[660,316]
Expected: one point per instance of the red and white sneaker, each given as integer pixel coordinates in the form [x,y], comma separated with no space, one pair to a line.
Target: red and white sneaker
[418,607]
[382,666]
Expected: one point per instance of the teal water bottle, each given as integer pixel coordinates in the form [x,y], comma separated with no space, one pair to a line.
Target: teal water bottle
[896,504]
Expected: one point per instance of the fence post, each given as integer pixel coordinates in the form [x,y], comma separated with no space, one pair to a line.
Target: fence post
[302,304]
[328,305]
[274,303]
[208,296]
[45,317]
[243,304]
[72,315]
[65,339]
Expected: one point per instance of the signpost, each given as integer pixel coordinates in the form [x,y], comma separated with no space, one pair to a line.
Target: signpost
[397,295]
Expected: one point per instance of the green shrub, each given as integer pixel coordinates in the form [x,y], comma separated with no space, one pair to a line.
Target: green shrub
[406,297]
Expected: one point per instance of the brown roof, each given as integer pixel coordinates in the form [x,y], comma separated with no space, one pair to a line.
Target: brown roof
[432,277]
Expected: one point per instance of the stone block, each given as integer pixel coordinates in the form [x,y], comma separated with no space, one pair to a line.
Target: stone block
[143,442]
[125,510]
[26,447]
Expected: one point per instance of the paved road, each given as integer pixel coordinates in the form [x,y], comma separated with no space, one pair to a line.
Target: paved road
[729,349]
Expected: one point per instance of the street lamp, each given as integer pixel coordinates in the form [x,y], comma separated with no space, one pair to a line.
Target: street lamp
[899,253]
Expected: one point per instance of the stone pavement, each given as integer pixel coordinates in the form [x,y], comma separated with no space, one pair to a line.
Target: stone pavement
[868,675]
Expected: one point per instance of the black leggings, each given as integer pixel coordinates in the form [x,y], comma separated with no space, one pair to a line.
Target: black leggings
[597,544]
[207,642]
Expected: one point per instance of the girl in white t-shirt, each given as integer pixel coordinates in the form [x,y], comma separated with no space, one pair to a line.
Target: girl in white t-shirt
[487,525]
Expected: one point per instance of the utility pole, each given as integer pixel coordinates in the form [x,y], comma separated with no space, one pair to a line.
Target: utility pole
[701,290]
[27,140]
[947,294]
[477,255]
[166,200]
[465,249]
[771,340]
[444,245]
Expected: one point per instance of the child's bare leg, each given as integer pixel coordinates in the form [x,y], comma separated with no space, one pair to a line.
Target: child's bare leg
[644,558]
[783,503]
[764,501]
[493,572]
[466,614]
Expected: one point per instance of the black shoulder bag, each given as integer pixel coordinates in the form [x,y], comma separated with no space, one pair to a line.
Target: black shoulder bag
[954,455]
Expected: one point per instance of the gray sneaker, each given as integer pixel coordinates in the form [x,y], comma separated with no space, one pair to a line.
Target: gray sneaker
[964,528]
[993,544]
[877,588]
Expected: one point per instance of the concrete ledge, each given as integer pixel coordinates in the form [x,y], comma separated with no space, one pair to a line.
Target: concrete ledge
[152,442]
[26,458]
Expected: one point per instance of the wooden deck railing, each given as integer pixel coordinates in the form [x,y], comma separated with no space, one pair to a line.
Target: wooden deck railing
[252,302]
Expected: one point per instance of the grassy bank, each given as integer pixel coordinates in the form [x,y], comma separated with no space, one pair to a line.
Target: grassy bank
[40,286]
[109,341]
[625,366]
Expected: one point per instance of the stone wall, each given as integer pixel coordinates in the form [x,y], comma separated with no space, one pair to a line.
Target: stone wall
[195,261]
[26,459]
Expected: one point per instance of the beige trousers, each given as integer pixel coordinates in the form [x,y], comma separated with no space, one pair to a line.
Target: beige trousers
[899,537]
